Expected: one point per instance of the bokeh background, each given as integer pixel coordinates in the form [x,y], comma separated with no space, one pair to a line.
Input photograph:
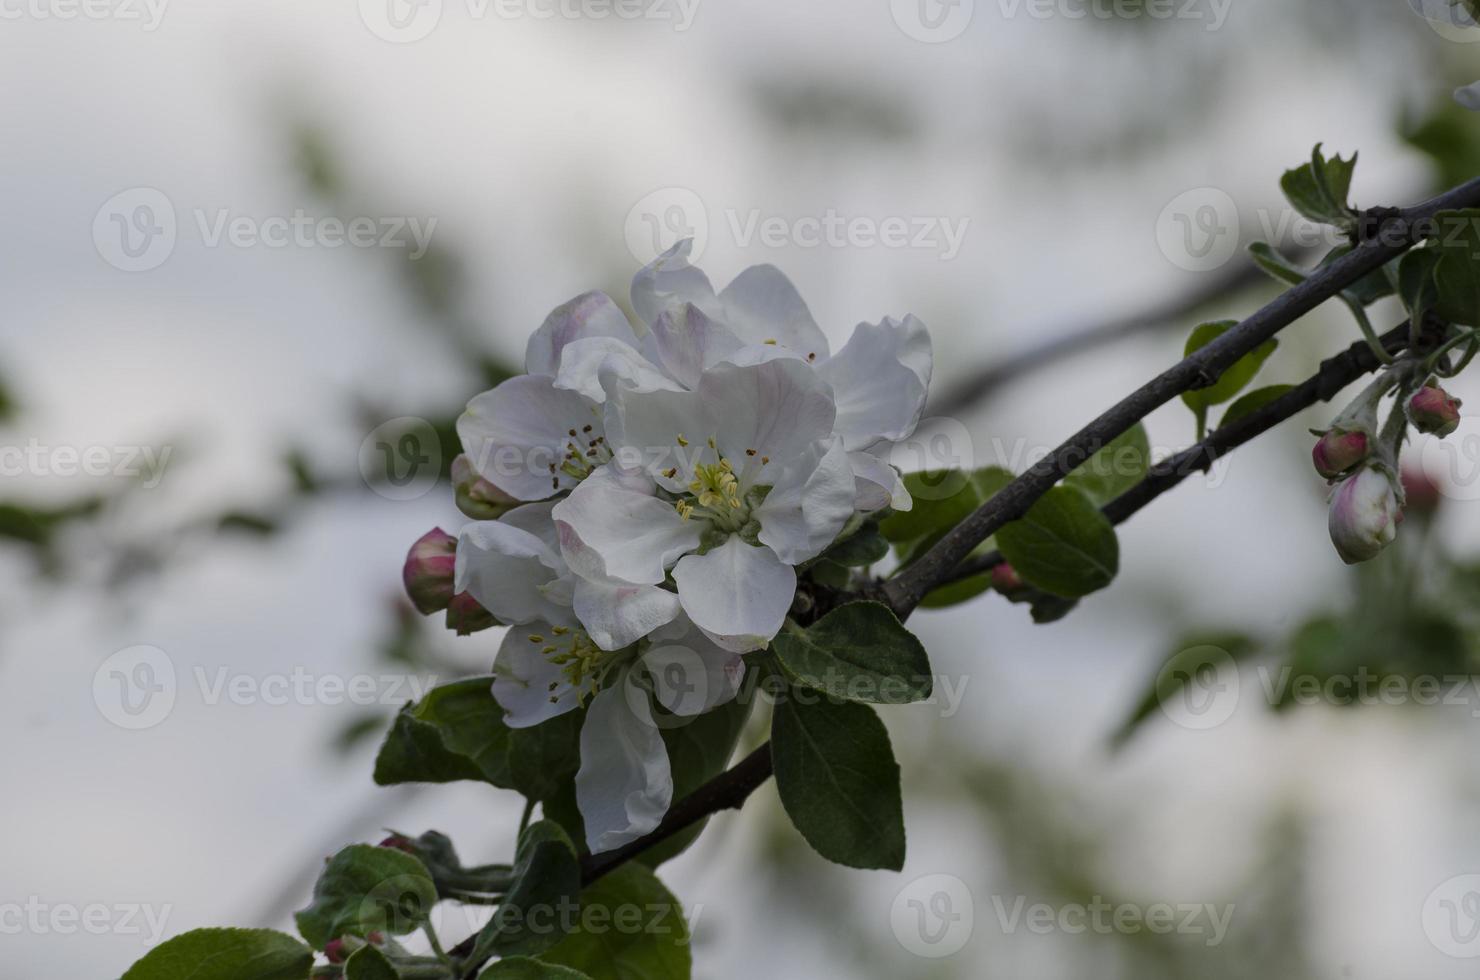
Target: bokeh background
[1098,161]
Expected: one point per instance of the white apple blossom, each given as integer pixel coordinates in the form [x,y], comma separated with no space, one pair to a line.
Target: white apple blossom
[551,662]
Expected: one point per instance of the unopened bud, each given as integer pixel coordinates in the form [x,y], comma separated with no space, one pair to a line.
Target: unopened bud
[428,571]
[476,497]
[465,616]
[335,951]
[398,843]
[1364,515]
[1005,579]
[1338,451]
[1432,410]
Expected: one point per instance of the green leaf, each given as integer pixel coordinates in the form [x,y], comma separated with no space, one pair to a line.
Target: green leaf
[1233,380]
[631,928]
[1276,264]
[937,517]
[1252,402]
[859,550]
[1416,286]
[225,954]
[1064,545]
[838,781]
[369,963]
[457,732]
[1319,189]
[366,889]
[857,652]
[956,592]
[524,968]
[1119,465]
[537,911]
[1189,654]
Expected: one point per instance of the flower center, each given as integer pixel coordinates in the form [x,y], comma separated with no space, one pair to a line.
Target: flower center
[582,663]
[584,451]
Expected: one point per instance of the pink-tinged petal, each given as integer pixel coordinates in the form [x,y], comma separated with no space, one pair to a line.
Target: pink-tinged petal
[591,366]
[668,282]
[589,315]
[684,342]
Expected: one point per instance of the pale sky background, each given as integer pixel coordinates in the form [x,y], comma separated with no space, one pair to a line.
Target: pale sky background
[1057,142]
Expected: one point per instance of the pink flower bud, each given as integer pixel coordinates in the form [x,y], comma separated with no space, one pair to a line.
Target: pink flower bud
[334,950]
[428,570]
[1338,451]
[1364,515]
[1432,410]
[465,616]
[476,497]
[399,843]
[1005,579]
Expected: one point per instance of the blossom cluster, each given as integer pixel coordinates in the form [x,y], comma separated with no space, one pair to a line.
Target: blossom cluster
[649,491]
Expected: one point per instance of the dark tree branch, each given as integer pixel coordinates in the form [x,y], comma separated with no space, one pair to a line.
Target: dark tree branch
[1335,374]
[1389,240]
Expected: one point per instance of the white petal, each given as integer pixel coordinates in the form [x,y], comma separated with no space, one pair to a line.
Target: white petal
[523,675]
[737,594]
[613,527]
[771,411]
[536,519]
[591,314]
[669,281]
[515,433]
[809,504]
[624,785]
[509,571]
[617,614]
[690,674]
[643,430]
[590,366]
[879,381]
[876,483]
[684,342]
[762,307]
